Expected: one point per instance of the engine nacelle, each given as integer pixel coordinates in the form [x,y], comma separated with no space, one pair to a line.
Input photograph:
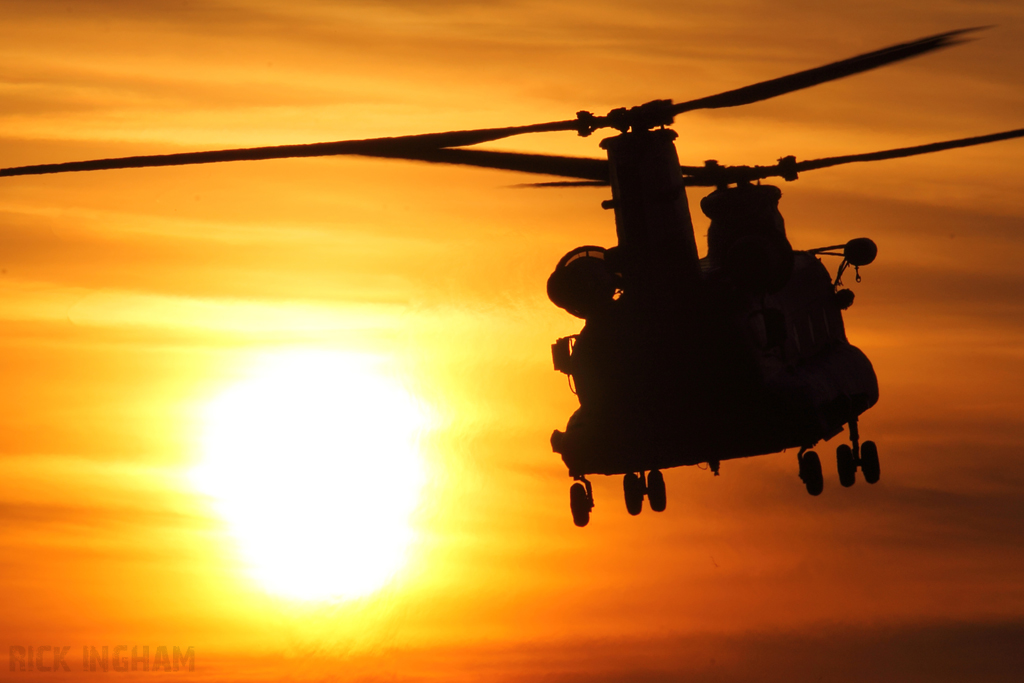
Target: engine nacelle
[747,236]
[583,282]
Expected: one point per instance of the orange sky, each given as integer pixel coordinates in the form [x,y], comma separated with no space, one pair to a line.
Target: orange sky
[128,299]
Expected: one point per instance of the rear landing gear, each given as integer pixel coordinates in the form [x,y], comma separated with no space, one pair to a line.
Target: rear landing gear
[581,502]
[810,472]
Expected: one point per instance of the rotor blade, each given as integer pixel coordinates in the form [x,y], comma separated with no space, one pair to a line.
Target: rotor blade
[411,147]
[372,147]
[814,164]
[789,167]
[584,123]
[580,168]
[822,74]
[463,138]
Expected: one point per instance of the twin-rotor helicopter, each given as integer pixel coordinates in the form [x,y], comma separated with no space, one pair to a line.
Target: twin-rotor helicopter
[682,360]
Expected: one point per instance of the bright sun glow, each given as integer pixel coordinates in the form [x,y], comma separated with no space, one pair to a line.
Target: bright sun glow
[313,462]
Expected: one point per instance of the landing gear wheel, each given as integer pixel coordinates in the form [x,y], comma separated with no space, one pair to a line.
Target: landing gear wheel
[633,488]
[656,491]
[869,462]
[579,503]
[810,473]
[847,465]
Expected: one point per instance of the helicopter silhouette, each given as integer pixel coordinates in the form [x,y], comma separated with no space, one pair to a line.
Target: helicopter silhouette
[682,360]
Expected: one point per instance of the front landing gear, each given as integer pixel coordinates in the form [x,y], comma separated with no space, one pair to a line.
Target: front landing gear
[869,462]
[581,502]
[656,490]
[846,464]
[635,486]
[849,458]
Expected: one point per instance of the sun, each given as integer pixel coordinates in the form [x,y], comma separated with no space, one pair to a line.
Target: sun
[313,461]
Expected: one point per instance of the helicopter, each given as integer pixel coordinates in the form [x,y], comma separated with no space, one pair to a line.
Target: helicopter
[681,360]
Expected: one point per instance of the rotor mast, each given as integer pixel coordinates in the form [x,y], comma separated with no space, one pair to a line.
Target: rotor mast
[657,245]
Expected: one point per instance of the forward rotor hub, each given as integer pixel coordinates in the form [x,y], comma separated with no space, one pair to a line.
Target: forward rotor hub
[653,114]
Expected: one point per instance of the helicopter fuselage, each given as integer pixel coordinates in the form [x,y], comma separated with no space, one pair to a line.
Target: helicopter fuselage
[684,360]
